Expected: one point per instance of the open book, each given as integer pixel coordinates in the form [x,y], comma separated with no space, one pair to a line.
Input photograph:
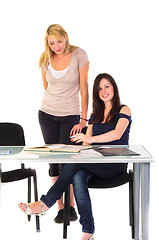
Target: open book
[58,148]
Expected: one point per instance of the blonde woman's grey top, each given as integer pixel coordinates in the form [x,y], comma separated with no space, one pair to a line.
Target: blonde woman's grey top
[62,95]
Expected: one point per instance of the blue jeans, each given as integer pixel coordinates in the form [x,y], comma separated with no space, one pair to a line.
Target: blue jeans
[79,175]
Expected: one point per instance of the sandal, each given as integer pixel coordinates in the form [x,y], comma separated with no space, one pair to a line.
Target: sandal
[29,212]
[91,238]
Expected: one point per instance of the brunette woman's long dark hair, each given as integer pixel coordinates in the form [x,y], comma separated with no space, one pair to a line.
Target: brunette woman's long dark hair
[98,104]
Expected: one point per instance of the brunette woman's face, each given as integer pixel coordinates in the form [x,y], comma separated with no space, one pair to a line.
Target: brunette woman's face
[56,45]
[106,90]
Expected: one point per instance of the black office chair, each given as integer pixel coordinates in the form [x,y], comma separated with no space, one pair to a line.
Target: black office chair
[97,182]
[12,134]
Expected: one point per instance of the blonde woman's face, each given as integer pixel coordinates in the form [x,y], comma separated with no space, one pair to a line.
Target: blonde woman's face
[57,46]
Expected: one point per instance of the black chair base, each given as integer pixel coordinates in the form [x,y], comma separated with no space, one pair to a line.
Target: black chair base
[20,174]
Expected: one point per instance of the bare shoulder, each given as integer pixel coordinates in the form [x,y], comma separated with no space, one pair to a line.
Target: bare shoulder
[126,110]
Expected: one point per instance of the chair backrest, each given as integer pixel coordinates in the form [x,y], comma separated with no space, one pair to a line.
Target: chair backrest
[11,134]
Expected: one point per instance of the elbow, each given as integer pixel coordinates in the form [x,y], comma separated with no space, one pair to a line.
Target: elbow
[117,136]
[84,93]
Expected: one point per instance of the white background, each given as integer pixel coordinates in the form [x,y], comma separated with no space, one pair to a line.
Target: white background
[120,38]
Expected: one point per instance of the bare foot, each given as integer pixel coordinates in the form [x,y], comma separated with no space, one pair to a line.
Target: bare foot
[35,207]
[87,236]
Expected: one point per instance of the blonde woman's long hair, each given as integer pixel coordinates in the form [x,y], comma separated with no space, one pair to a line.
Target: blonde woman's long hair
[59,33]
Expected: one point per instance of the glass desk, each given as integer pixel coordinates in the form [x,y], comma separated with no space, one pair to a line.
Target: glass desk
[141,169]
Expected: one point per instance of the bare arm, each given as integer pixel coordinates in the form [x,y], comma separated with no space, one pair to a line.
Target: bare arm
[43,74]
[89,133]
[83,73]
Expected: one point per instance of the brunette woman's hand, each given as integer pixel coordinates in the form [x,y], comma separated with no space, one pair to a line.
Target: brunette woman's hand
[82,138]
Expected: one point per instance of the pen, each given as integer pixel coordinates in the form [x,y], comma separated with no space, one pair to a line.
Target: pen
[5,152]
[73,136]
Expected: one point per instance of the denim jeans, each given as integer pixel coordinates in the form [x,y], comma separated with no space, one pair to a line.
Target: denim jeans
[79,175]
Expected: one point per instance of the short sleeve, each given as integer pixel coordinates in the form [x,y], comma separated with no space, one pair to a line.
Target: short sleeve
[122,115]
[82,57]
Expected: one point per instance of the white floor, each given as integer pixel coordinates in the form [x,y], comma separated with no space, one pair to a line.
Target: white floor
[110,208]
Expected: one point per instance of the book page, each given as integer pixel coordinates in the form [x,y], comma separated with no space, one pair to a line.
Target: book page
[58,148]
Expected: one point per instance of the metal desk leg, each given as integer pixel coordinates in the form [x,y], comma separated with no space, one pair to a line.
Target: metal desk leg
[0,181]
[145,189]
[136,170]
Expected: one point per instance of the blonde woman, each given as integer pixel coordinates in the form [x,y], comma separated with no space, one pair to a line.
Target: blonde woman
[64,70]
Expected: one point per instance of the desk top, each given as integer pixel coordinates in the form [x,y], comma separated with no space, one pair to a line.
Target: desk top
[17,154]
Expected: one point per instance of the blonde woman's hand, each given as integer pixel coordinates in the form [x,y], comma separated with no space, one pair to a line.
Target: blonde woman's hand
[78,128]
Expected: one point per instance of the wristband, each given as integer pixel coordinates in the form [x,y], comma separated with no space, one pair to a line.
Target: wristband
[84,119]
